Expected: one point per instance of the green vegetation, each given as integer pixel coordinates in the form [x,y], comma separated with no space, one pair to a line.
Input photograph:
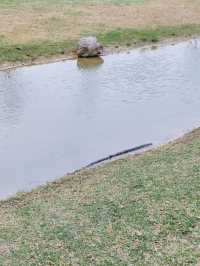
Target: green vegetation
[45,28]
[149,35]
[20,3]
[142,210]
[31,51]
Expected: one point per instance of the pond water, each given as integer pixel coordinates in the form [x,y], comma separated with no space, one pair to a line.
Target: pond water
[58,117]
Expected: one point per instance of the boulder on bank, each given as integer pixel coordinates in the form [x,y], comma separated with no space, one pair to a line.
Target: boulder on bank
[89,47]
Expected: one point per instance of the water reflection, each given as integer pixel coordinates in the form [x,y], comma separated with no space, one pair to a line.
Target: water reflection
[89,63]
[12,97]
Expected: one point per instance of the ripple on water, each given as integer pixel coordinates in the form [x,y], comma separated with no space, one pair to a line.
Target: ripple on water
[58,117]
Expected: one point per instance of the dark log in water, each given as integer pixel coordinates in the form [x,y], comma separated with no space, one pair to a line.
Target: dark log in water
[97,107]
[120,153]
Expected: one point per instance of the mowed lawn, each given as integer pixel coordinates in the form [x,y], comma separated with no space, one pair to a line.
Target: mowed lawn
[32,29]
[140,210]
[26,20]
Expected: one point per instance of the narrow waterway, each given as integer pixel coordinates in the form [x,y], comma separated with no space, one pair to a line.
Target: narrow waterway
[58,117]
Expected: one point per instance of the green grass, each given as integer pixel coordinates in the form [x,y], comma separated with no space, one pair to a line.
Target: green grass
[142,210]
[31,51]
[25,52]
[131,36]
[20,3]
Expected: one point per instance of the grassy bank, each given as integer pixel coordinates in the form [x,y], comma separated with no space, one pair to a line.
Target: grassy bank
[48,28]
[142,210]
[123,37]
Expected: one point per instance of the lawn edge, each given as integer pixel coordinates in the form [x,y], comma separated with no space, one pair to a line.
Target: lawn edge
[84,173]
[118,40]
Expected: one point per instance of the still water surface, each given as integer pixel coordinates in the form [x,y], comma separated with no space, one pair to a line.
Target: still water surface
[58,117]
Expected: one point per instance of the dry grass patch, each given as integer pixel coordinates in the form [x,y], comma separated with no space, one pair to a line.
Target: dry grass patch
[32,31]
[59,22]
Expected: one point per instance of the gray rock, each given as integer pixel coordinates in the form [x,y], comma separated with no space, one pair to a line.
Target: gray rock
[89,47]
